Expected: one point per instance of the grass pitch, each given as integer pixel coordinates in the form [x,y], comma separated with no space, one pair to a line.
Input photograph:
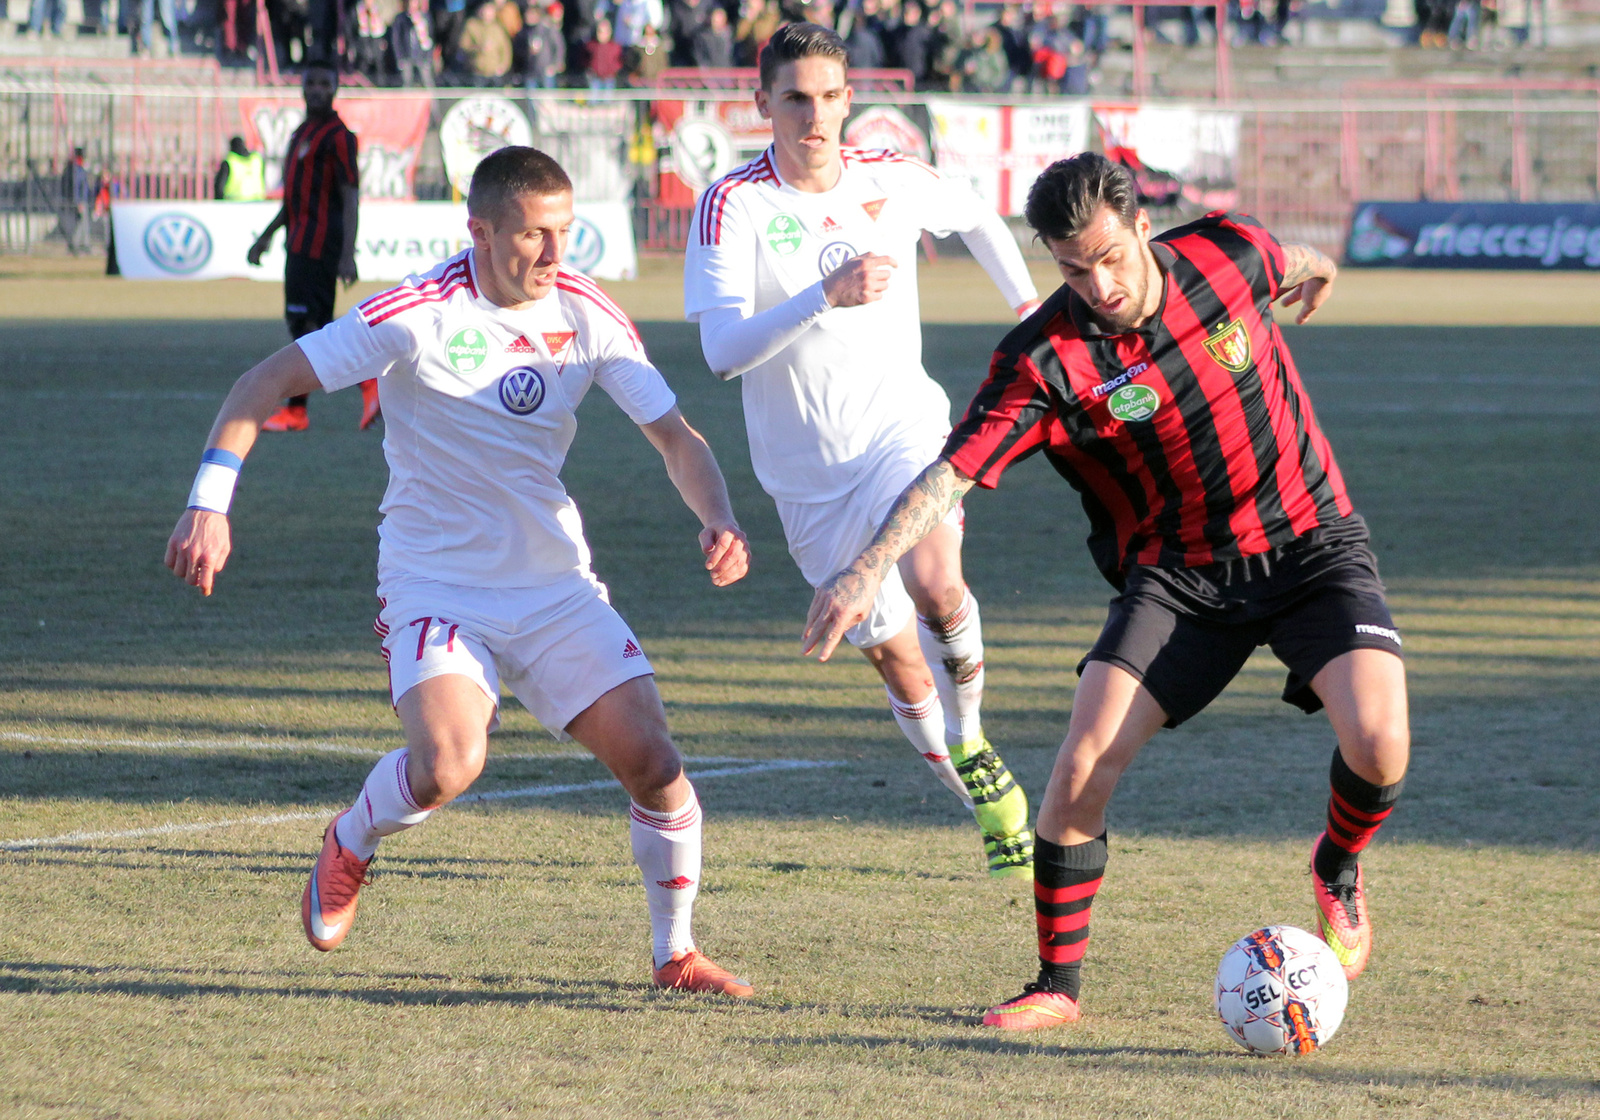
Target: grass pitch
[499,966]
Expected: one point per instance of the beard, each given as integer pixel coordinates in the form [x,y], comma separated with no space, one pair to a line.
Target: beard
[1125,319]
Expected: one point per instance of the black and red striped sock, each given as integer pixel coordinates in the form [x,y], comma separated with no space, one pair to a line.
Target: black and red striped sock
[1356,810]
[1065,879]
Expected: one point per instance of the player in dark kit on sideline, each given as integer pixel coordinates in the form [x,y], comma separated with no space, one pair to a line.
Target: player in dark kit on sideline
[1157,384]
[321,193]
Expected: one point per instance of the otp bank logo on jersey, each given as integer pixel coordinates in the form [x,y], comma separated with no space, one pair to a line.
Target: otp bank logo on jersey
[835,255]
[177,243]
[1134,402]
[522,390]
[467,349]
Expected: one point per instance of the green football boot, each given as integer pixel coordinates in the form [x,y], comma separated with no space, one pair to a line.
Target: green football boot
[1000,806]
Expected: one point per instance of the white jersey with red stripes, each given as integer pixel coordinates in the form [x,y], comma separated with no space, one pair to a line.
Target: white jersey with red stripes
[479,408]
[821,411]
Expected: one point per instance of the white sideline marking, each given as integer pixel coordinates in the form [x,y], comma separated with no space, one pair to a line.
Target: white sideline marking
[746,766]
[296,745]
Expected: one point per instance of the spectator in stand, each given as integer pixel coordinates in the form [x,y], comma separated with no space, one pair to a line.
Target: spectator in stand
[632,17]
[1013,28]
[448,18]
[863,37]
[944,27]
[1433,22]
[915,44]
[688,17]
[1089,25]
[713,43]
[242,174]
[982,66]
[645,60]
[484,48]
[143,41]
[758,19]
[366,37]
[411,39]
[603,57]
[52,10]
[1060,63]
[509,13]
[543,48]
[1463,30]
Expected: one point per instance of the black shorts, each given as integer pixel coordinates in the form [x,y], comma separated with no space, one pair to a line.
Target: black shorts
[309,286]
[1186,632]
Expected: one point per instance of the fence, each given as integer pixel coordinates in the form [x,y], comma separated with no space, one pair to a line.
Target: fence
[1298,167]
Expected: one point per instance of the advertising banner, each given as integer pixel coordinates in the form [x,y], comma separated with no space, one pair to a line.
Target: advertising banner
[701,141]
[1522,235]
[389,134]
[1000,149]
[1200,147]
[208,240]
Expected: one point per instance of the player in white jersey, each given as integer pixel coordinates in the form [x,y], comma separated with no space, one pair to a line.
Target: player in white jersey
[483,572]
[801,274]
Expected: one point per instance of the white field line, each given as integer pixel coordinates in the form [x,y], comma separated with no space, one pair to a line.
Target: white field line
[292,745]
[743,766]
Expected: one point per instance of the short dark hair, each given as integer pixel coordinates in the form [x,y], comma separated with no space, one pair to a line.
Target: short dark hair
[794,41]
[509,172]
[321,62]
[1068,194]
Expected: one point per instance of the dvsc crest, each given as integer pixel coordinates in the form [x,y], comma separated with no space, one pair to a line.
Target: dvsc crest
[1229,346]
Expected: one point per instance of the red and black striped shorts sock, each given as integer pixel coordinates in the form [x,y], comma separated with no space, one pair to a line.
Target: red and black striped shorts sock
[1065,879]
[1356,810]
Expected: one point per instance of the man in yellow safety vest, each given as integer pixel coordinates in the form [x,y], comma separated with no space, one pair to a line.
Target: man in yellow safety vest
[242,175]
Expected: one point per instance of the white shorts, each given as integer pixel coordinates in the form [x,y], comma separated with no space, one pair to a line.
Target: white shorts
[559,648]
[825,536]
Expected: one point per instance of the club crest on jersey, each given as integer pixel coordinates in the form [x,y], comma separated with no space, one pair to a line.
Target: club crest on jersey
[1134,402]
[521,345]
[558,340]
[783,234]
[835,255]
[874,208]
[467,349]
[1229,346]
[522,390]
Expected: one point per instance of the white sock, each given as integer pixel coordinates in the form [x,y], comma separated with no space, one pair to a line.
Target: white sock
[384,807]
[953,647]
[666,846]
[924,725]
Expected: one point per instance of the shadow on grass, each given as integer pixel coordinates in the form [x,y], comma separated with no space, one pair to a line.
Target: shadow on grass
[1224,1061]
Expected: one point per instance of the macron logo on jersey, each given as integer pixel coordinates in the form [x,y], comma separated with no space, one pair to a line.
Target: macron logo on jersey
[1119,381]
[521,346]
[1378,632]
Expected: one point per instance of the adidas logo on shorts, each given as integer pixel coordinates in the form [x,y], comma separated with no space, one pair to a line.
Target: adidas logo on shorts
[631,650]
[521,346]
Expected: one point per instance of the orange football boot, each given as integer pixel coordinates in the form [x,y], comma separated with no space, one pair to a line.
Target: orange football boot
[1342,919]
[690,970]
[328,906]
[289,418]
[370,409]
[1033,1009]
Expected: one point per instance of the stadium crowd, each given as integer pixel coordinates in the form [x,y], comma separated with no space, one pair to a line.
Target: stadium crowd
[1042,46]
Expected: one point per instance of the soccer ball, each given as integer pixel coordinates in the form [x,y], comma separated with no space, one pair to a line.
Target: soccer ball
[1281,990]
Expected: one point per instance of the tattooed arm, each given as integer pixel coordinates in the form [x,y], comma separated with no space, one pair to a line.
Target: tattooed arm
[1307,279]
[846,598]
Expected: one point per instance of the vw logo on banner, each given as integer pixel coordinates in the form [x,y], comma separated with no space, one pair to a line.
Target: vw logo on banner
[586,247]
[522,390]
[177,243]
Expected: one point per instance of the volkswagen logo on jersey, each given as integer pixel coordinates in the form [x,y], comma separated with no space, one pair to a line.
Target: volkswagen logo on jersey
[177,243]
[835,255]
[585,245]
[522,390]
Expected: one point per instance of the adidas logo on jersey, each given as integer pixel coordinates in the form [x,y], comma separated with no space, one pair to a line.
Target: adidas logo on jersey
[830,226]
[632,650]
[521,346]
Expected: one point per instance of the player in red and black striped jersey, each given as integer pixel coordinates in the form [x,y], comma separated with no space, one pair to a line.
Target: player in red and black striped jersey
[1157,384]
[321,195]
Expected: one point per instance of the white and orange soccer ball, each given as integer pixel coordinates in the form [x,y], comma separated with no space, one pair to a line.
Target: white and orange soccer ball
[1281,990]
